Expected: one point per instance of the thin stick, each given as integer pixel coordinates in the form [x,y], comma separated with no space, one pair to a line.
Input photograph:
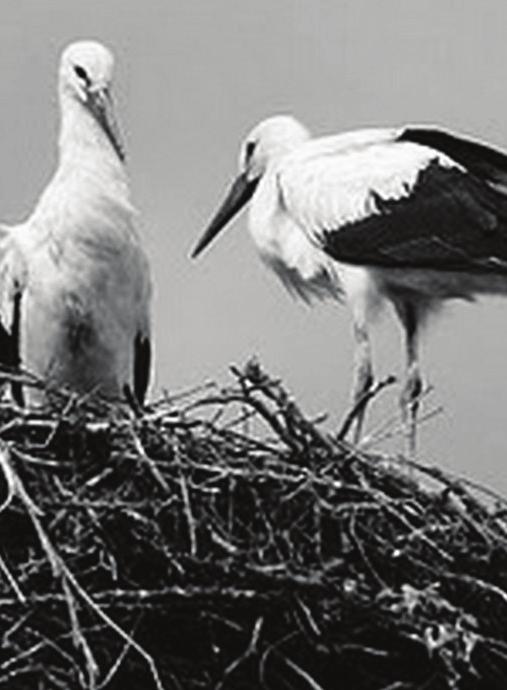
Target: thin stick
[249,651]
[192,528]
[359,406]
[12,581]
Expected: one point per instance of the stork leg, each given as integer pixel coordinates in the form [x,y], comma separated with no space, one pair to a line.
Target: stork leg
[363,374]
[412,388]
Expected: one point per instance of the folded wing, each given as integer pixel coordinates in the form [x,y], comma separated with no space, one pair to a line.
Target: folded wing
[403,202]
[478,158]
[142,366]
[12,280]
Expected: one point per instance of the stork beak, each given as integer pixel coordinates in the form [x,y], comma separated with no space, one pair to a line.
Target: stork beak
[101,106]
[239,194]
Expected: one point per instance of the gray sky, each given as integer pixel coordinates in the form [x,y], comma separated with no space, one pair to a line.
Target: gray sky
[192,78]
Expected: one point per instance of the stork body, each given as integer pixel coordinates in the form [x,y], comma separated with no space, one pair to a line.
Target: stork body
[410,216]
[76,269]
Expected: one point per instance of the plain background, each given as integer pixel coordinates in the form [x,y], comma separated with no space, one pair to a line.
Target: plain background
[192,78]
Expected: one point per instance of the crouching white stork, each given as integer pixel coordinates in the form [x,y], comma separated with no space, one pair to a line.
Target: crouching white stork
[413,216]
[74,280]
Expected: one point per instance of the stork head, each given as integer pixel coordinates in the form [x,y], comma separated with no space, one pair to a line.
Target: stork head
[265,143]
[85,76]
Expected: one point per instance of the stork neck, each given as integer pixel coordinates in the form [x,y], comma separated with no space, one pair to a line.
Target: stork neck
[82,140]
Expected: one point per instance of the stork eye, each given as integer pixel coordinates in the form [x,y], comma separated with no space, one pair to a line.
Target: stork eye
[82,73]
[249,150]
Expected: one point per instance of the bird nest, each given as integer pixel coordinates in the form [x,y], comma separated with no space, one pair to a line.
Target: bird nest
[223,540]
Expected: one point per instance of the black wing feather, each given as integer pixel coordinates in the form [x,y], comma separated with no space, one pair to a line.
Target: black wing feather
[451,220]
[10,347]
[142,366]
[5,347]
[480,159]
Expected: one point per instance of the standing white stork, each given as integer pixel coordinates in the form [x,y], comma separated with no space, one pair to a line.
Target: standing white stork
[413,216]
[74,280]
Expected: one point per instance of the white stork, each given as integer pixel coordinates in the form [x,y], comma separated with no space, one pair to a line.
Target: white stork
[74,280]
[412,216]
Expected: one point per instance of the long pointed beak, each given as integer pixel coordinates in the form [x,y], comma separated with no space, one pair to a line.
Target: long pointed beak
[101,106]
[239,194]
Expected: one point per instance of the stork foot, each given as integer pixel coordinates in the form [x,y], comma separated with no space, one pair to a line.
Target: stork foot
[409,401]
[361,403]
[363,384]
[362,380]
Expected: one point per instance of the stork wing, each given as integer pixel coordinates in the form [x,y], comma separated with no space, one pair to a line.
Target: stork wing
[480,159]
[399,204]
[12,279]
[142,365]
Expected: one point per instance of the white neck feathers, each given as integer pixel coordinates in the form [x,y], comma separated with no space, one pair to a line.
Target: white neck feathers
[82,140]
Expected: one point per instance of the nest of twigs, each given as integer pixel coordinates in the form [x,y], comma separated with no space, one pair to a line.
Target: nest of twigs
[223,540]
